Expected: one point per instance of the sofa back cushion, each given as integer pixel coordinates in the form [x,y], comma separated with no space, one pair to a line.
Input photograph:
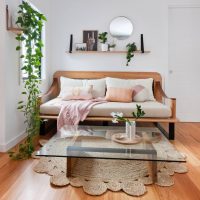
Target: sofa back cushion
[99,85]
[140,93]
[117,94]
[131,83]
[76,93]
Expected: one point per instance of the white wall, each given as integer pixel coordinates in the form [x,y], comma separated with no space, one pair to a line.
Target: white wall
[2,80]
[148,17]
[12,119]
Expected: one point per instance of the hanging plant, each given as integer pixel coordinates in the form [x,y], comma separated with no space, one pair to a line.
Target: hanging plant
[31,21]
[131,47]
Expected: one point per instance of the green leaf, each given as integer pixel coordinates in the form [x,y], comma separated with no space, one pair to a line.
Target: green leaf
[18,48]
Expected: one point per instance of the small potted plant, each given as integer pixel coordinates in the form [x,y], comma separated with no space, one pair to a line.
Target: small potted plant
[112,47]
[130,125]
[131,47]
[103,38]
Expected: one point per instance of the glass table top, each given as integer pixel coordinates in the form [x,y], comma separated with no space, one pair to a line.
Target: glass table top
[97,142]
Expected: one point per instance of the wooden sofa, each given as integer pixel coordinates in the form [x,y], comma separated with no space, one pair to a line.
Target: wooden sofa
[159,95]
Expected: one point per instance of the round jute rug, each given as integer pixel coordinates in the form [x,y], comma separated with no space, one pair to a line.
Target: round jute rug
[96,176]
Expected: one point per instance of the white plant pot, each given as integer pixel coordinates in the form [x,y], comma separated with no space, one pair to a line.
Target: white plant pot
[104,47]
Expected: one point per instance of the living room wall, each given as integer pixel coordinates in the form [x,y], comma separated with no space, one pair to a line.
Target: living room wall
[148,17]
[12,128]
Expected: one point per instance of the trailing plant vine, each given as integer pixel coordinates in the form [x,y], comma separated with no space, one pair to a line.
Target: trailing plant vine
[131,47]
[31,21]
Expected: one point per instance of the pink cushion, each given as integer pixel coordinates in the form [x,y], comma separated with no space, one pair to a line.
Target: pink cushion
[140,93]
[76,93]
[119,94]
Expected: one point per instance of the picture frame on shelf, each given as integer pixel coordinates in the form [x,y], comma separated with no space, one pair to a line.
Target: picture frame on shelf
[81,47]
[90,37]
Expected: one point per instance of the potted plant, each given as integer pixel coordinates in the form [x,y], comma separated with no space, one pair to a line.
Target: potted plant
[130,125]
[131,47]
[112,47]
[103,38]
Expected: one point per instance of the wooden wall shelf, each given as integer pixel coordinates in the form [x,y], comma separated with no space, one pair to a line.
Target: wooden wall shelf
[11,28]
[106,52]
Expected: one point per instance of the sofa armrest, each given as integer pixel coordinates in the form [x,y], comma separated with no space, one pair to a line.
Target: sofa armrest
[51,93]
[168,101]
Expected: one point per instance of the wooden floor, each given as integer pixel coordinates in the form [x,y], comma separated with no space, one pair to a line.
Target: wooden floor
[18,181]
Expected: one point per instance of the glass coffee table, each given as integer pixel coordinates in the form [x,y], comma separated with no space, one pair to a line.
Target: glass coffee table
[96,142]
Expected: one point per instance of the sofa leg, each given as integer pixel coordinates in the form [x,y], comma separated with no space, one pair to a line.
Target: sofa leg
[43,125]
[171,130]
[105,123]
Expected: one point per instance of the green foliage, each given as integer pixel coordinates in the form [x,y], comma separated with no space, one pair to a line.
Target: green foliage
[103,37]
[139,112]
[131,47]
[112,45]
[31,22]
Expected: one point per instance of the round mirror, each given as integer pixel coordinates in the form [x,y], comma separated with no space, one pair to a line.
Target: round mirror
[121,28]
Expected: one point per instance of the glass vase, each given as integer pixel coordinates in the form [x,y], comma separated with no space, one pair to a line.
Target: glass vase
[131,130]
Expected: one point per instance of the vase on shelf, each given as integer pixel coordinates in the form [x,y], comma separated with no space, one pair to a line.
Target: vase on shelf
[131,130]
[104,47]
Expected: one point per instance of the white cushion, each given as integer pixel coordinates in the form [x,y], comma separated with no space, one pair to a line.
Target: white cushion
[130,83]
[151,108]
[68,82]
[99,85]
[77,93]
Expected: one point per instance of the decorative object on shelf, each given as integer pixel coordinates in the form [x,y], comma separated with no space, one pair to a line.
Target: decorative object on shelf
[10,27]
[111,47]
[81,47]
[103,38]
[71,44]
[90,37]
[32,22]
[121,28]
[131,47]
[142,43]
[130,125]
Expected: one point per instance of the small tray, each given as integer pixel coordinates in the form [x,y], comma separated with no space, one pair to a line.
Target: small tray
[122,139]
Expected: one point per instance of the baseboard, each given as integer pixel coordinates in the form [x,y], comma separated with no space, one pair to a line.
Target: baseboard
[13,142]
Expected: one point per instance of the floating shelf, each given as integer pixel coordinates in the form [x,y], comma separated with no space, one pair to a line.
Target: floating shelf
[15,30]
[11,28]
[105,52]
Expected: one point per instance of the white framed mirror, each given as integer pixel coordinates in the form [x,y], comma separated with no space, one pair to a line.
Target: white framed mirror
[121,28]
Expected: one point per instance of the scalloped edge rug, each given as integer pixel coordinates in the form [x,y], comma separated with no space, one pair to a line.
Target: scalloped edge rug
[96,176]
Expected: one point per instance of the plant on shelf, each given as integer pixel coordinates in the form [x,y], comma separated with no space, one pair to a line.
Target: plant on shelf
[31,21]
[111,47]
[118,116]
[131,47]
[103,38]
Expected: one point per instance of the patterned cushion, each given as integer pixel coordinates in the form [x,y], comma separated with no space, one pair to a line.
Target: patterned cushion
[140,93]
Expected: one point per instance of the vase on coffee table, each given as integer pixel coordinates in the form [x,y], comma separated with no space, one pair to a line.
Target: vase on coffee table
[131,130]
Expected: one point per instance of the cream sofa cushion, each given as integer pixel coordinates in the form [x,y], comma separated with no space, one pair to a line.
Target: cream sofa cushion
[99,85]
[151,108]
[130,83]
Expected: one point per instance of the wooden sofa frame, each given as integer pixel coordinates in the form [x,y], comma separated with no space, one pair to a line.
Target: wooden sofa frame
[159,95]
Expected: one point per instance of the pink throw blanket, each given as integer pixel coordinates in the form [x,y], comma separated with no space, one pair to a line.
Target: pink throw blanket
[74,111]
